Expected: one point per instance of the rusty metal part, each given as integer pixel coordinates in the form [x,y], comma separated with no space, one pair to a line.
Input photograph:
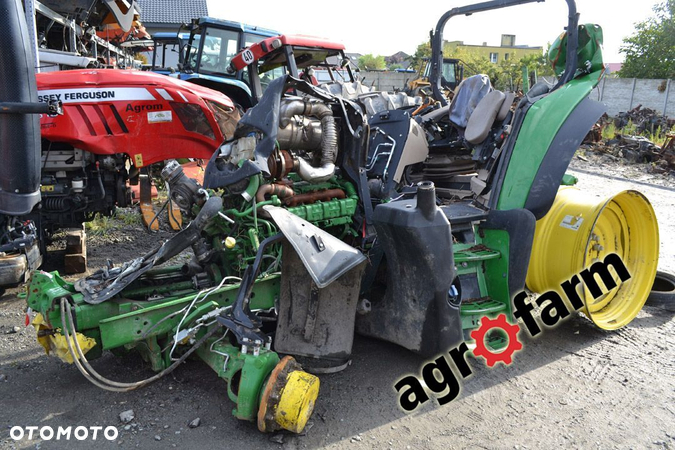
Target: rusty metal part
[279,190]
[272,393]
[175,216]
[316,196]
[425,104]
[280,164]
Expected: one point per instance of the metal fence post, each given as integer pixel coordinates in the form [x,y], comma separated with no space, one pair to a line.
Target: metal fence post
[632,93]
[665,102]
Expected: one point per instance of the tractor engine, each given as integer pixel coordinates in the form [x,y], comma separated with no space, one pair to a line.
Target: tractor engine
[117,124]
[77,184]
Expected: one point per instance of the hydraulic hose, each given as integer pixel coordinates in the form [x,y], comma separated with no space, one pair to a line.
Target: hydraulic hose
[99,380]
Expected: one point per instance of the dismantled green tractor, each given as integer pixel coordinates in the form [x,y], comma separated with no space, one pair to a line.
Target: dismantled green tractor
[312,213]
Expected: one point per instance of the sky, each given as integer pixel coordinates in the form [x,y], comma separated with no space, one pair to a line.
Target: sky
[386,27]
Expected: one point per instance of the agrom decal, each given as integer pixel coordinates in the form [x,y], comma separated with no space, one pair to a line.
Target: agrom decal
[141,108]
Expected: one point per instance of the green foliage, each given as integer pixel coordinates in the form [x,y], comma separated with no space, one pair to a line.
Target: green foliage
[421,55]
[506,75]
[371,62]
[650,51]
[100,226]
[609,131]
[658,136]
[128,216]
[394,67]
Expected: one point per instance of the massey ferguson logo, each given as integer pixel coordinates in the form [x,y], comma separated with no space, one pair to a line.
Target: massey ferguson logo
[84,95]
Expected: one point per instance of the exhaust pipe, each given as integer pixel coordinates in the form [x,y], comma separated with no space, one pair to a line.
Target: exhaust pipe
[20,145]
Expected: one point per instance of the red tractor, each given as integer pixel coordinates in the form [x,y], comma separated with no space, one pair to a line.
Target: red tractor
[318,61]
[117,124]
[313,59]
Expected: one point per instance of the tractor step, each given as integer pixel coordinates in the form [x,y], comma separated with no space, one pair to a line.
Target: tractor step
[474,253]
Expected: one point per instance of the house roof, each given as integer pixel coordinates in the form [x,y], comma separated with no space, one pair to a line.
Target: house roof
[172,11]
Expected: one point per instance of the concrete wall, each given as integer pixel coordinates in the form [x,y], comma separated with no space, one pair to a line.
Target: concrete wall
[623,94]
[386,81]
[619,94]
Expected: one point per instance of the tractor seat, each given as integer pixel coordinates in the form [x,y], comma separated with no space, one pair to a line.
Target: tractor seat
[477,106]
[470,93]
[493,107]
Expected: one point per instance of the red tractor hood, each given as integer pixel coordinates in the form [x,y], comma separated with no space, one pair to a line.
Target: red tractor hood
[148,116]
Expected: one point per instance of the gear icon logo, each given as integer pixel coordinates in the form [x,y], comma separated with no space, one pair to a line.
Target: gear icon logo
[487,324]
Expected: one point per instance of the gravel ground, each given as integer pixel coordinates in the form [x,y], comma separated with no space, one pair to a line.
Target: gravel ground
[573,386]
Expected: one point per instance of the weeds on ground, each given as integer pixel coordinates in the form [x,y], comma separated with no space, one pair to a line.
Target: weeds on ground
[657,136]
[128,217]
[102,225]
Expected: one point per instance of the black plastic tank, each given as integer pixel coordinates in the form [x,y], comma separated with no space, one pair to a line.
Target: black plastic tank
[19,133]
[416,311]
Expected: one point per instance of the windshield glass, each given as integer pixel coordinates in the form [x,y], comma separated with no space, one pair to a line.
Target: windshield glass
[267,75]
[218,49]
[166,54]
[249,39]
[449,72]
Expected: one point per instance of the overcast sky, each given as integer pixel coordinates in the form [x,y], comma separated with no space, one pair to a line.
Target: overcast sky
[385,27]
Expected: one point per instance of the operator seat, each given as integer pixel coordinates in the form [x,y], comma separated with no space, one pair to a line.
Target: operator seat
[476,107]
[470,92]
[492,108]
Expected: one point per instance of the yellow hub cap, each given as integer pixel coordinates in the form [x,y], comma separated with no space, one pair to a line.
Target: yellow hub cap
[288,398]
[297,401]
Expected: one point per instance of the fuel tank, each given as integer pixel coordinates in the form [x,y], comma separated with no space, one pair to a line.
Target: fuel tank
[149,117]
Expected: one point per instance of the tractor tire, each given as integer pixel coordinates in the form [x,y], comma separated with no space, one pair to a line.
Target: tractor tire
[663,290]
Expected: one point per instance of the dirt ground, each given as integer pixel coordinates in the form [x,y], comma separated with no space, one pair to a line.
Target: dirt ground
[574,386]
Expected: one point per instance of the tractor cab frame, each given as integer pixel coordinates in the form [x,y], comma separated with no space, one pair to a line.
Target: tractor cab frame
[312,59]
[211,46]
[167,53]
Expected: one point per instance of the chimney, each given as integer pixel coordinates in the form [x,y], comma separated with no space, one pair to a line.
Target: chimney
[508,40]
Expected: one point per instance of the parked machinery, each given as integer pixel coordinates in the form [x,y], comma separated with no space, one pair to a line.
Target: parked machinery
[312,212]
[116,123]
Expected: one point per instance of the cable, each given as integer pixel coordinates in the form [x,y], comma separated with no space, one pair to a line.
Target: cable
[110,385]
[157,215]
[170,210]
[194,300]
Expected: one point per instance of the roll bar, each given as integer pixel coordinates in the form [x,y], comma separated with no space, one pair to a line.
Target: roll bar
[437,39]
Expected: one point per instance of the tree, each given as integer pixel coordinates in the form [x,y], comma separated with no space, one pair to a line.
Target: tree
[421,55]
[507,75]
[370,62]
[650,51]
